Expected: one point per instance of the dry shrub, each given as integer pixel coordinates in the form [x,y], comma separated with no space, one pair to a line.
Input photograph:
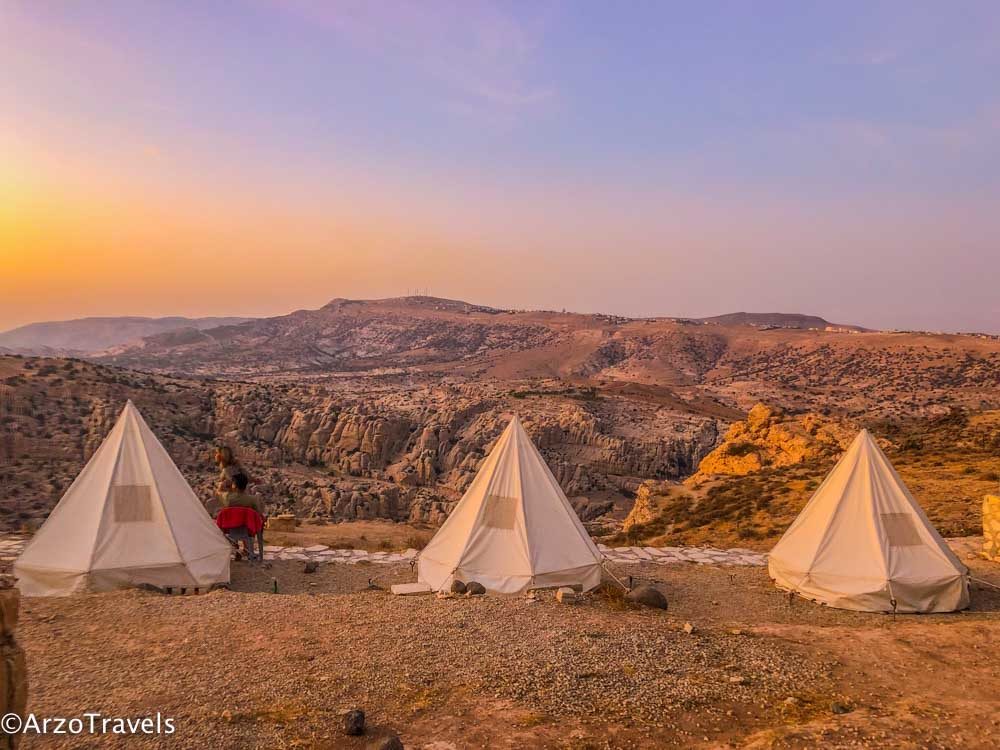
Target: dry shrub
[613,597]
[416,541]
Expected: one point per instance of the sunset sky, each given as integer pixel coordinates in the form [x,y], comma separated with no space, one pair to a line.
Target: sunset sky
[260,156]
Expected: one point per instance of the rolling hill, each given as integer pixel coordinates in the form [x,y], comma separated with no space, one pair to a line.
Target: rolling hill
[88,335]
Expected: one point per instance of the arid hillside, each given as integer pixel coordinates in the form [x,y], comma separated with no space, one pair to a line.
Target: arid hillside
[765,469]
[384,409]
[707,366]
[87,335]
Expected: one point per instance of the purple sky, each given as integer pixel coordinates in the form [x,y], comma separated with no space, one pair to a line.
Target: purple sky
[256,157]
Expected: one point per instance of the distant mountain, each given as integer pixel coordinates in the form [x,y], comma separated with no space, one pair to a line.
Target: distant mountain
[778,320]
[419,337]
[88,335]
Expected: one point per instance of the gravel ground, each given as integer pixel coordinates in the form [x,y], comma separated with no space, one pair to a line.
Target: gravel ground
[248,668]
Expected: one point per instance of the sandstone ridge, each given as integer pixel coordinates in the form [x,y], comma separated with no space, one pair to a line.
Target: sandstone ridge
[768,438]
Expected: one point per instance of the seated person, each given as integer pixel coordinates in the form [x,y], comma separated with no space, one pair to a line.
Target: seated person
[238,497]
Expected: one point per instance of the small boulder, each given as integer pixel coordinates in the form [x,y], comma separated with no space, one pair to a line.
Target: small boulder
[840,708]
[647,596]
[457,587]
[565,595]
[354,722]
[474,588]
[688,628]
[311,567]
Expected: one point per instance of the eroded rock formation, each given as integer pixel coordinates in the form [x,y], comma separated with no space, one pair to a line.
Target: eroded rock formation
[767,438]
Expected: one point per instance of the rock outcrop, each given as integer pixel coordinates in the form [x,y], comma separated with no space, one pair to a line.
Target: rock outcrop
[991,527]
[13,668]
[767,438]
[645,508]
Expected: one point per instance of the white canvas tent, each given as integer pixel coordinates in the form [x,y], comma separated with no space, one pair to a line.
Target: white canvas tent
[862,541]
[129,518]
[513,529]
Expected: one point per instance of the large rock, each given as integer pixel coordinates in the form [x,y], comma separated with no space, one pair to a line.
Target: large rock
[648,596]
[991,527]
[645,509]
[354,722]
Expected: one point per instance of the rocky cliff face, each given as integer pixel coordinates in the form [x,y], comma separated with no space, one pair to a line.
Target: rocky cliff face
[352,452]
[767,438]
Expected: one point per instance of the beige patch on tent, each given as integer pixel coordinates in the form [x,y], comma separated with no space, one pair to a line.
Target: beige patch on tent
[500,512]
[901,530]
[132,503]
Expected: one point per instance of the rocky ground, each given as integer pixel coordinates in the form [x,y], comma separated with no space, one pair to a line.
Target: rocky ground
[250,668]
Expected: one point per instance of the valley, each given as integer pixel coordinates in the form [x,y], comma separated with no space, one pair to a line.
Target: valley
[383,409]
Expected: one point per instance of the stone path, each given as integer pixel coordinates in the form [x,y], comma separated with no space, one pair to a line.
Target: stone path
[672,555]
[322,553]
[11,546]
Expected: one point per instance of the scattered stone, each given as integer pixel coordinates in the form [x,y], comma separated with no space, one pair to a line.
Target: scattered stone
[474,588]
[647,596]
[311,567]
[566,595]
[688,628]
[457,587]
[840,708]
[354,722]
[392,742]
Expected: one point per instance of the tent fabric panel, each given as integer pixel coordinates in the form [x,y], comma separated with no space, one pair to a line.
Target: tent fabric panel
[124,544]
[68,534]
[446,547]
[191,527]
[498,549]
[556,538]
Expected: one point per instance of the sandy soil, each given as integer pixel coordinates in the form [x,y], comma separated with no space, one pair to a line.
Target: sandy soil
[248,668]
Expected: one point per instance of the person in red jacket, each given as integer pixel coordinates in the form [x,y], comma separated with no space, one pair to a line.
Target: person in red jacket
[238,497]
